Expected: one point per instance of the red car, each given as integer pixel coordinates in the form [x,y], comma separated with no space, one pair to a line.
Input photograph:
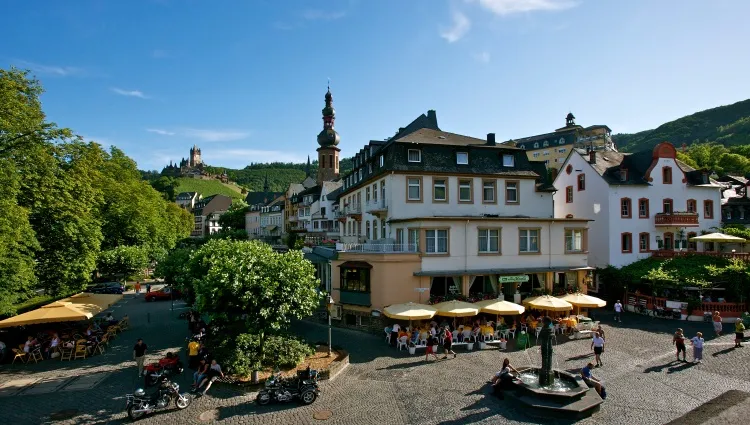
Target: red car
[165,293]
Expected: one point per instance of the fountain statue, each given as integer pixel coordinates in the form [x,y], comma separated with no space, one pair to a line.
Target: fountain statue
[546,374]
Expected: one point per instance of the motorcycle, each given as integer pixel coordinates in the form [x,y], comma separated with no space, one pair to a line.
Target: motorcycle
[304,388]
[139,404]
[169,366]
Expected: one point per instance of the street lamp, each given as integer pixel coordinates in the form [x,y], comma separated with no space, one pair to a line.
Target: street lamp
[330,306]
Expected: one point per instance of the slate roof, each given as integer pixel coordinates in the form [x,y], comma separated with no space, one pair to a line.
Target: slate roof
[257,198]
[437,137]
[186,195]
[543,183]
[609,165]
[212,203]
[568,135]
[422,121]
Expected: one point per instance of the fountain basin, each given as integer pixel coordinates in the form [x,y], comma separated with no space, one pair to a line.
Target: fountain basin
[568,397]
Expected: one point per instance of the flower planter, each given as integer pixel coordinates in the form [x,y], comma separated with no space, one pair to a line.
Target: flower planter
[482,345]
[469,346]
[503,345]
[435,349]
[412,350]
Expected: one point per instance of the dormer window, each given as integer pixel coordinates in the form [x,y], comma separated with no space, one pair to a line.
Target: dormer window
[382,161]
[704,177]
[509,161]
[623,175]
[536,145]
[462,158]
[545,144]
[414,155]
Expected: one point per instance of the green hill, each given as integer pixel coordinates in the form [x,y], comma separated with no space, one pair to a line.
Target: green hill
[280,174]
[208,187]
[728,125]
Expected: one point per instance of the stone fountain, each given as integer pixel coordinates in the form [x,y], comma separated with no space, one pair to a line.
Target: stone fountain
[550,392]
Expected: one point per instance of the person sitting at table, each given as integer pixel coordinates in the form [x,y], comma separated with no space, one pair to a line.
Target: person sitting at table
[500,321]
[53,344]
[402,333]
[476,333]
[466,334]
[415,336]
[30,344]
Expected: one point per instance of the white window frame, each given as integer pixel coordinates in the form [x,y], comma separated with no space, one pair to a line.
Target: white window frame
[462,185]
[574,237]
[524,240]
[462,158]
[515,185]
[409,153]
[484,239]
[382,161]
[444,185]
[489,185]
[409,185]
[509,160]
[432,244]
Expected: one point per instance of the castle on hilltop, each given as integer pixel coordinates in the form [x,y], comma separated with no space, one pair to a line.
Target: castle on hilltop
[190,167]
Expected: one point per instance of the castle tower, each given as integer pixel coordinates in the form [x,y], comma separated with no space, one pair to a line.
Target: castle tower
[328,139]
[195,156]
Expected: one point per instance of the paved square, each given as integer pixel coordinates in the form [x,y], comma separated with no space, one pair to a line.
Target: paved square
[383,386]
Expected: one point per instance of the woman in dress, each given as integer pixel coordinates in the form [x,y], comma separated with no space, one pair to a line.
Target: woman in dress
[717,323]
[739,332]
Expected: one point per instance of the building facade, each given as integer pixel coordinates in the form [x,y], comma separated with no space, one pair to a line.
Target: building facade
[553,148]
[252,222]
[187,200]
[430,215]
[735,203]
[272,220]
[640,203]
[206,212]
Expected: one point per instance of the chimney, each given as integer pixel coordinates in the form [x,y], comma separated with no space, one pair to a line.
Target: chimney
[592,157]
[432,117]
[490,139]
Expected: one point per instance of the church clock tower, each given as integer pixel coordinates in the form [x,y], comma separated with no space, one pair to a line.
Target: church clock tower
[328,139]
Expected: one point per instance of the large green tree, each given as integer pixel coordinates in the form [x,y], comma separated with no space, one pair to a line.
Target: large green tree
[247,285]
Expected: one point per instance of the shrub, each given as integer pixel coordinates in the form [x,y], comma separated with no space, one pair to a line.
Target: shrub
[285,351]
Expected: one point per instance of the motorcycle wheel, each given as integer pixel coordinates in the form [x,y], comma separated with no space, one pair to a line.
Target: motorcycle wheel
[308,397]
[183,401]
[133,415]
[263,398]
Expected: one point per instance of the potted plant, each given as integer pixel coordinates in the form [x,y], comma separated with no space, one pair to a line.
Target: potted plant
[412,348]
[482,345]
[469,345]
[503,343]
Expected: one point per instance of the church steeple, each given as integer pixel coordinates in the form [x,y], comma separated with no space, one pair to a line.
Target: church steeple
[328,139]
[307,168]
[265,184]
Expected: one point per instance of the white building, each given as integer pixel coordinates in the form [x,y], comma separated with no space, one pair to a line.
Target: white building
[450,215]
[272,220]
[316,209]
[644,203]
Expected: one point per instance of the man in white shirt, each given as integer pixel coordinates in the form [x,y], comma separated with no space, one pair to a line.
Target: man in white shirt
[394,333]
[618,311]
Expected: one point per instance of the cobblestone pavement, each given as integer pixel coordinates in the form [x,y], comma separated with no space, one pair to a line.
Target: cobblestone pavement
[383,386]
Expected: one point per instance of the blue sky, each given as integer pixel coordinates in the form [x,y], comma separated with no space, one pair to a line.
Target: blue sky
[245,79]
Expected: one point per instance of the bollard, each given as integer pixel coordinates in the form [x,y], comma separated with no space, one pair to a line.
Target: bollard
[148,317]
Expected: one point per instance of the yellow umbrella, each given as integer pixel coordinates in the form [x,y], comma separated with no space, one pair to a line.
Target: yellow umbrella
[500,307]
[456,309]
[582,300]
[409,311]
[57,311]
[103,301]
[548,303]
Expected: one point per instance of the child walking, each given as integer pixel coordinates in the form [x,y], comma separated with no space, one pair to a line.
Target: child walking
[697,347]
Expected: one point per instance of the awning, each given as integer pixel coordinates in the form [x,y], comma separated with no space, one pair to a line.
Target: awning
[82,306]
[479,272]
[355,265]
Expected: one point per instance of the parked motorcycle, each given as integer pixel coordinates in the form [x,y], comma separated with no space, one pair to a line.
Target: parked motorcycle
[139,404]
[169,366]
[304,388]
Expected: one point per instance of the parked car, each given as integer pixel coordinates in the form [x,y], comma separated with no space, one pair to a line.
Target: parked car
[165,293]
[106,288]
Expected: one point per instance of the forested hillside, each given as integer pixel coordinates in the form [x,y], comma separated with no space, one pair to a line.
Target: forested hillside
[726,125]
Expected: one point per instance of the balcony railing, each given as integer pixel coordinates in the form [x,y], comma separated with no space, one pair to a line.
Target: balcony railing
[353,209]
[676,219]
[377,247]
[355,298]
[376,205]
[668,253]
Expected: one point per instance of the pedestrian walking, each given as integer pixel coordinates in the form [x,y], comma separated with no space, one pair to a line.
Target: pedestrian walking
[618,311]
[597,344]
[448,343]
[139,355]
[148,288]
[394,333]
[137,288]
[679,342]
[717,323]
[697,347]
[429,349]
[739,332]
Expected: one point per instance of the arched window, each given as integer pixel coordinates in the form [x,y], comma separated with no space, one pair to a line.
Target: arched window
[375,229]
[536,145]
[562,141]
[545,144]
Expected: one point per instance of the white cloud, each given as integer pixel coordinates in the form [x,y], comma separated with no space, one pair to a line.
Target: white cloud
[214,135]
[508,7]
[241,157]
[130,93]
[320,15]
[161,132]
[60,71]
[461,25]
[483,57]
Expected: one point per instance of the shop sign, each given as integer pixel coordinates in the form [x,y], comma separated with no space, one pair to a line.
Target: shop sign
[507,279]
